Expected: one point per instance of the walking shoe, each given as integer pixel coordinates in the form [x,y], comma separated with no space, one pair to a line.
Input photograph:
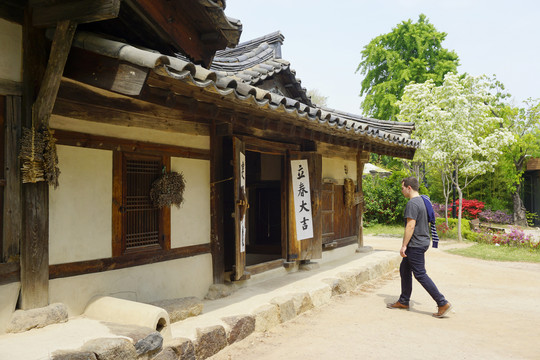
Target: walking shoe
[443,310]
[397,305]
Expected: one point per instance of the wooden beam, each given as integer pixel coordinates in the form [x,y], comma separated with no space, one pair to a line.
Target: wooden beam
[109,143]
[125,261]
[12,211]
[361,158]
[9,273]
[10,87]
[35,240]
[42,109]
[85,102]
[217,242]
[47,13]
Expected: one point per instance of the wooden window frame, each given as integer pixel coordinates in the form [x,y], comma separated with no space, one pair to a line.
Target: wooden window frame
[119,247]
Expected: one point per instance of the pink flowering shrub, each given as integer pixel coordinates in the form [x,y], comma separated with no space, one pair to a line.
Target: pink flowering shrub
[516,238]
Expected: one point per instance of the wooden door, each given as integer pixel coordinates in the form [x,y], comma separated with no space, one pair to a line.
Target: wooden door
[240,209]
[308,248]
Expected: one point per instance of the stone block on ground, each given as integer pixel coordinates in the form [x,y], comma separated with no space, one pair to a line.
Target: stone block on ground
[181,308]
[177,349]
[286,308]
[23,320]
[321,295]
[337,285]
[218,291]
[210,341]
[111,349]
[302,302]
[349,280]
[239,327]
[73,355]
[147,341]
[266,317]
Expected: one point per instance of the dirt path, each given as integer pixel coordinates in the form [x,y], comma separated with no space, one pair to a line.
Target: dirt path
[496,315]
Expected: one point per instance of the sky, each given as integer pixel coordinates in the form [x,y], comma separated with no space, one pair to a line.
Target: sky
[324,39]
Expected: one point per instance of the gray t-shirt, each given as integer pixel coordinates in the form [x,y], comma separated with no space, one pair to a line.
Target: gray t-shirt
[416,209]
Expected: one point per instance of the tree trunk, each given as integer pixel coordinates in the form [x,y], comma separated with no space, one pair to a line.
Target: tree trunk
[460,210]
[520,218]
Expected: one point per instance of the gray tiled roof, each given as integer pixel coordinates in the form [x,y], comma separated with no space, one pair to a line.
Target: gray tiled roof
[233,87]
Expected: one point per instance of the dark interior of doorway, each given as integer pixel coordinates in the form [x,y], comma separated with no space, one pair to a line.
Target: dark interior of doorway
[263,183]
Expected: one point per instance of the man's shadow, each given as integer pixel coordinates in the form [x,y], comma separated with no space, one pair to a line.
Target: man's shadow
[389,299]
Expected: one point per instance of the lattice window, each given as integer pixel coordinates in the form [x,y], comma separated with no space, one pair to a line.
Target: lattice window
[138,224]
[141,216]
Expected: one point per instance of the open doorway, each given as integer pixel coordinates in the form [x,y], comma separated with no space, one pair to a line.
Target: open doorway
[264,217]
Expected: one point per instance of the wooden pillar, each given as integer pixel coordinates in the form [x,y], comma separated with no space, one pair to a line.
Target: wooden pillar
[216,205]
[362,157]
[12,211]
[35,239]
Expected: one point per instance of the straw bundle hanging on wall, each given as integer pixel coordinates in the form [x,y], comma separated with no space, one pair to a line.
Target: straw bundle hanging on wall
[31,156]
[168,190]
[52,172]
[38,156]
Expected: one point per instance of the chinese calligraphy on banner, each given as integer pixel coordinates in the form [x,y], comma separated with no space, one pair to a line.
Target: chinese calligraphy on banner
[302,199]
[243,189]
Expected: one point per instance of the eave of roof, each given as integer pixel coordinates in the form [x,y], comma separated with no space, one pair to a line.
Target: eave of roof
[336,123]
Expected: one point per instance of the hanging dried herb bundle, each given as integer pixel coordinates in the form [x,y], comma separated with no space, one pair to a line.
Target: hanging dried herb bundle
[38,156]
[348,188]
[168,190]
[52,172]
[31,156]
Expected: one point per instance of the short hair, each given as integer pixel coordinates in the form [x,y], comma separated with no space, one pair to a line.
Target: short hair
[412,182]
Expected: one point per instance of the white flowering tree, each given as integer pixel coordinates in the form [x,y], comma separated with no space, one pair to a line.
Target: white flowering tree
[458,131]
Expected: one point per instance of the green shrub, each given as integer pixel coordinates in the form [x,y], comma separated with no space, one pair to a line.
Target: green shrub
[451,233]
[384,202]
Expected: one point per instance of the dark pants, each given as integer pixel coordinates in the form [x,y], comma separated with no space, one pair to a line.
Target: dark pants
[415,264]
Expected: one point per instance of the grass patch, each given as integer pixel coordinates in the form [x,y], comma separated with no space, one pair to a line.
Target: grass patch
[382,229]
[498,253]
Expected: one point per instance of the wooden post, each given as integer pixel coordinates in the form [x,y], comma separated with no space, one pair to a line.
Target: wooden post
[35,240]
[361,158]
[12,214]
[216,205]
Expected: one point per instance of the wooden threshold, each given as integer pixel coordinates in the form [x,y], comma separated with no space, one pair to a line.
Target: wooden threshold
[262,267]
[334,244]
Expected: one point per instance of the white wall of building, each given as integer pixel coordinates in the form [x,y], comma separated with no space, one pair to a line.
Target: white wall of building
[80,209]
[164,280]
[11,47]
[190,224]
[338,169]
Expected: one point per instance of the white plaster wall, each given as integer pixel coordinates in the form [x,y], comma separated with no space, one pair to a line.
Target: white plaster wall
[133,133]
[9,294]
[80,210]
[190,224]
[160,281]
[11,47]
[334,168]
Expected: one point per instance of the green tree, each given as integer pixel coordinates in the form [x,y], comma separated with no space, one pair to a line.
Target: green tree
[459,132]
[410,52]
[524,123]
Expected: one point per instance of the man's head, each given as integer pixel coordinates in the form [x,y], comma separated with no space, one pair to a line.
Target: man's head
[409,185]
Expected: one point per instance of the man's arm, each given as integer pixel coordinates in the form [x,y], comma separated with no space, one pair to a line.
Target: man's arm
[409,230]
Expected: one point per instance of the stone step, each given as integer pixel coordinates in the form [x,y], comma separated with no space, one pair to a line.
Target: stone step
[181,308]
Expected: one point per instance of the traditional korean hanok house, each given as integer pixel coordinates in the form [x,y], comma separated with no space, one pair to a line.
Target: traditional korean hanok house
[264,179]
[531,189]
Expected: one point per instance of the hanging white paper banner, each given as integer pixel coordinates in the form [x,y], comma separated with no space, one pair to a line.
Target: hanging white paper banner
[243,189]
[302,199]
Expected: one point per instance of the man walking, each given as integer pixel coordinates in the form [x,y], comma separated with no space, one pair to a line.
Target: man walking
[415,244]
